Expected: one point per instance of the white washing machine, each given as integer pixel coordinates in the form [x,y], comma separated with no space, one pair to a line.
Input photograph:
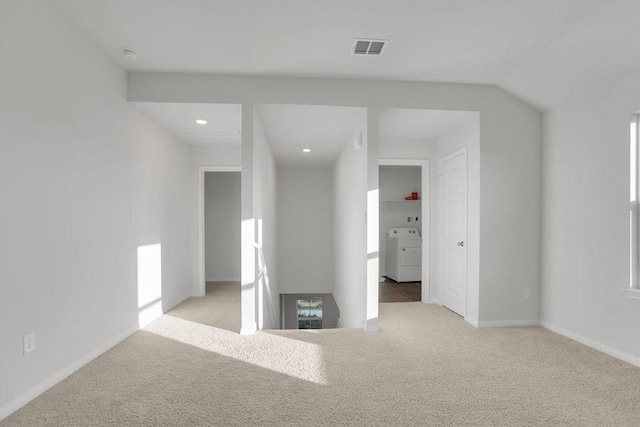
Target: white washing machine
[404,255]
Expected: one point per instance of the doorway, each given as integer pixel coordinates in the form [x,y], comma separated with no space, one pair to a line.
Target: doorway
[219,222]
[408,135]
[404,230]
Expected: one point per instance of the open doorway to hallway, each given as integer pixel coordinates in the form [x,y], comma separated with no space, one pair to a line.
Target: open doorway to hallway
[221,238]
[221,228]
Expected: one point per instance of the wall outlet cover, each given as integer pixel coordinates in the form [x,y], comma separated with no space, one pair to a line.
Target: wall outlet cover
[28,343]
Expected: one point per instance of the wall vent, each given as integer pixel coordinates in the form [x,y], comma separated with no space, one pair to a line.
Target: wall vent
[369,47]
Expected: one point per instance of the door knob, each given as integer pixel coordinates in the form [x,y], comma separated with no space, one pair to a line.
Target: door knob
[461,243]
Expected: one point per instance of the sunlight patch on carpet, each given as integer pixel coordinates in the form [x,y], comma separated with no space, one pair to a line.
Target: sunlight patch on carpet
[287,356]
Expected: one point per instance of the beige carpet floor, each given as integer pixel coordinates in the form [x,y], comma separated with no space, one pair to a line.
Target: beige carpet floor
[220,307]
[426,367]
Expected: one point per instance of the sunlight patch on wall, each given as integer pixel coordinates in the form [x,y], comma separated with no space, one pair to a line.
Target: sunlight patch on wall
[149,283]
[633,156]
[265,294]
[261,275]
[373,269]
[248,277]
[373,219]
[298,359]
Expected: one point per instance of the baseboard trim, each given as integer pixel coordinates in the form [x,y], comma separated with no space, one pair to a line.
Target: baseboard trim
[471,321]
[218,279]
[432,301]
[625,357]
[26,397]
[508,323]
[17,403]
[371,325]
[251,330]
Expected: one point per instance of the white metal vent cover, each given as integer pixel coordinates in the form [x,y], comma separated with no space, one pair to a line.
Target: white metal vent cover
[370,47]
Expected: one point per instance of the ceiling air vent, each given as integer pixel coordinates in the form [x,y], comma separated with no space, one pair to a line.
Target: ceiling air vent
[368,47]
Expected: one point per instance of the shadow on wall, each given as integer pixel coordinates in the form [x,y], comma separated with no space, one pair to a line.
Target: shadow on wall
[149,283]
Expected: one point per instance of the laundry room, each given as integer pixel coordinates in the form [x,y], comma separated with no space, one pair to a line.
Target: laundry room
[401,225]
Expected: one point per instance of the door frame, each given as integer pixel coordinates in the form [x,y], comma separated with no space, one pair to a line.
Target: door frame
[202,280]
[426,219]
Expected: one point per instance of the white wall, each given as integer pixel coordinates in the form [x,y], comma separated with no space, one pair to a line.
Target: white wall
[586,219]
[350,235]
[396,183]
[305,230]
[75,160]
[510,154]
[510,227]
[222,226]
[264,208]
[468,136]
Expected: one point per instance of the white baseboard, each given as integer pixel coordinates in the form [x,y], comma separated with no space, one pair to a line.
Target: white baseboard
[432,301]
[251,330]
[26,397]
[472,322]
[508,323]
[222,279]
[17,403]
[626,357]
[371,325]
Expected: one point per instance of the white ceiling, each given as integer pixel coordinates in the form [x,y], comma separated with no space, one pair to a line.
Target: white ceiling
[325,130]
[179,119]
[541,50]
[421,124]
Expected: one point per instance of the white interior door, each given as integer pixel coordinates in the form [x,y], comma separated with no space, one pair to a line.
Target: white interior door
[453,226]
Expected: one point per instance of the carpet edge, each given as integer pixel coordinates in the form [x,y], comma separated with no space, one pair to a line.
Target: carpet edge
[596,345]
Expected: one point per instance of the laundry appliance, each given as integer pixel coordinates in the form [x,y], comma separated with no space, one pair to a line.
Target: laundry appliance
[404,255]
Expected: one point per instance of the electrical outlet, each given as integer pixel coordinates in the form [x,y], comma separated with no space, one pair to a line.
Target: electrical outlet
[28,343]
[525,293]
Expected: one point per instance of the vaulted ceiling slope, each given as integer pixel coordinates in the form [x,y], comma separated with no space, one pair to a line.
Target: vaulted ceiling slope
[540,50]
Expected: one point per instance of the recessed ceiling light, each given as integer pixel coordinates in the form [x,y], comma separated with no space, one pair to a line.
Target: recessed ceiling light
[306,150]
[201,122]
[130,54]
